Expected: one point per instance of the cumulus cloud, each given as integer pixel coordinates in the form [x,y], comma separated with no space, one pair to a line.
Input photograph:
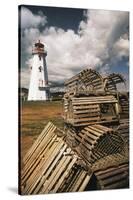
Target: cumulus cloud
[28,19]
[104,29]
[121,48]
[28,38]
[102,37]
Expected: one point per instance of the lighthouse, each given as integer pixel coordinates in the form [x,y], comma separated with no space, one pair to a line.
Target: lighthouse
[38,88]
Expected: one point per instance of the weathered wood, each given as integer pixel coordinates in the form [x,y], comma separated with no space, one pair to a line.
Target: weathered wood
[29,168]
[50,169]
[64,175]
[53,167]
[85,182]
[114,177]
[97,141]
[39,171]
[79,182]
[85,79]
[38,141]
[37,151]
[56,174]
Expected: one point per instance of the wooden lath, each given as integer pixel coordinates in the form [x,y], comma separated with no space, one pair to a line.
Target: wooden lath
[95,142]
[117,78]
[112,160]
[91,78]
[94,100]
[86,80]
[112,80]
[123,129]
[124,103]
[38,144]
[51,166]
[113,177]
[83,111]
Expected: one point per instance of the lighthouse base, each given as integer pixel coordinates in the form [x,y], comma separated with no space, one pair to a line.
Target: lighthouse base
[40,95]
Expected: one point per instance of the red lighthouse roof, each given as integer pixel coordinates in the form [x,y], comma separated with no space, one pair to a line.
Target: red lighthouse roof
[39,44]
[38,48]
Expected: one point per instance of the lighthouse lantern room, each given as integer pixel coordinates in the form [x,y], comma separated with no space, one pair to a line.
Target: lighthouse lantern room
[38,88]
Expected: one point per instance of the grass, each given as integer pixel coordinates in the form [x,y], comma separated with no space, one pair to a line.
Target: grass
[34,116]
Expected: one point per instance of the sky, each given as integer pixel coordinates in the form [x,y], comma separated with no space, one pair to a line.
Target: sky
[75,39]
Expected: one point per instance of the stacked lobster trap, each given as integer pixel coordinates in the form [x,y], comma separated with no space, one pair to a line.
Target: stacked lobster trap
[96,121]
[92,99]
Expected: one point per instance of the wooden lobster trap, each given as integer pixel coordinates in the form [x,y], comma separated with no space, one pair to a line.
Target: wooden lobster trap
[87,80]
[89,110]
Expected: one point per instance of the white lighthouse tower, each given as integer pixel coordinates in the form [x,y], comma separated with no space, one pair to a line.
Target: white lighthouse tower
[38,89]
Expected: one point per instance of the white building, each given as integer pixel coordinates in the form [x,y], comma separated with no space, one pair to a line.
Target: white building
[38,89]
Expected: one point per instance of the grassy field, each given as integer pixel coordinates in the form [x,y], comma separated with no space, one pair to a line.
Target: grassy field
[34,117]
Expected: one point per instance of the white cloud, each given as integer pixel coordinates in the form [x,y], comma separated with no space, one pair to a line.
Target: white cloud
[101,38]
[121,48]
[29,37]
[28,19]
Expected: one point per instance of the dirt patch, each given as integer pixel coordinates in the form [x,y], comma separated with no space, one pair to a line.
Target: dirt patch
[26,143]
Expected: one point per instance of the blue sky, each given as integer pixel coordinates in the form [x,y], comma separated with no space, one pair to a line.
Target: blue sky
[75,39]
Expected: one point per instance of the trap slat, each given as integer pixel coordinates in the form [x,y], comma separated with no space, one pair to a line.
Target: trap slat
[38,141]
[50,169]
[113,177]
[37,152]
[77,178]
[56,174]
[83,111]
[40,170]
[29,169]
[96,142]
[53,167]
[82,115]
[64,175]
[79,182]
[85,182]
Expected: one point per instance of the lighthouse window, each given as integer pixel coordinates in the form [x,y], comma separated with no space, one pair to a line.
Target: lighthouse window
[39,57]
[40,69]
